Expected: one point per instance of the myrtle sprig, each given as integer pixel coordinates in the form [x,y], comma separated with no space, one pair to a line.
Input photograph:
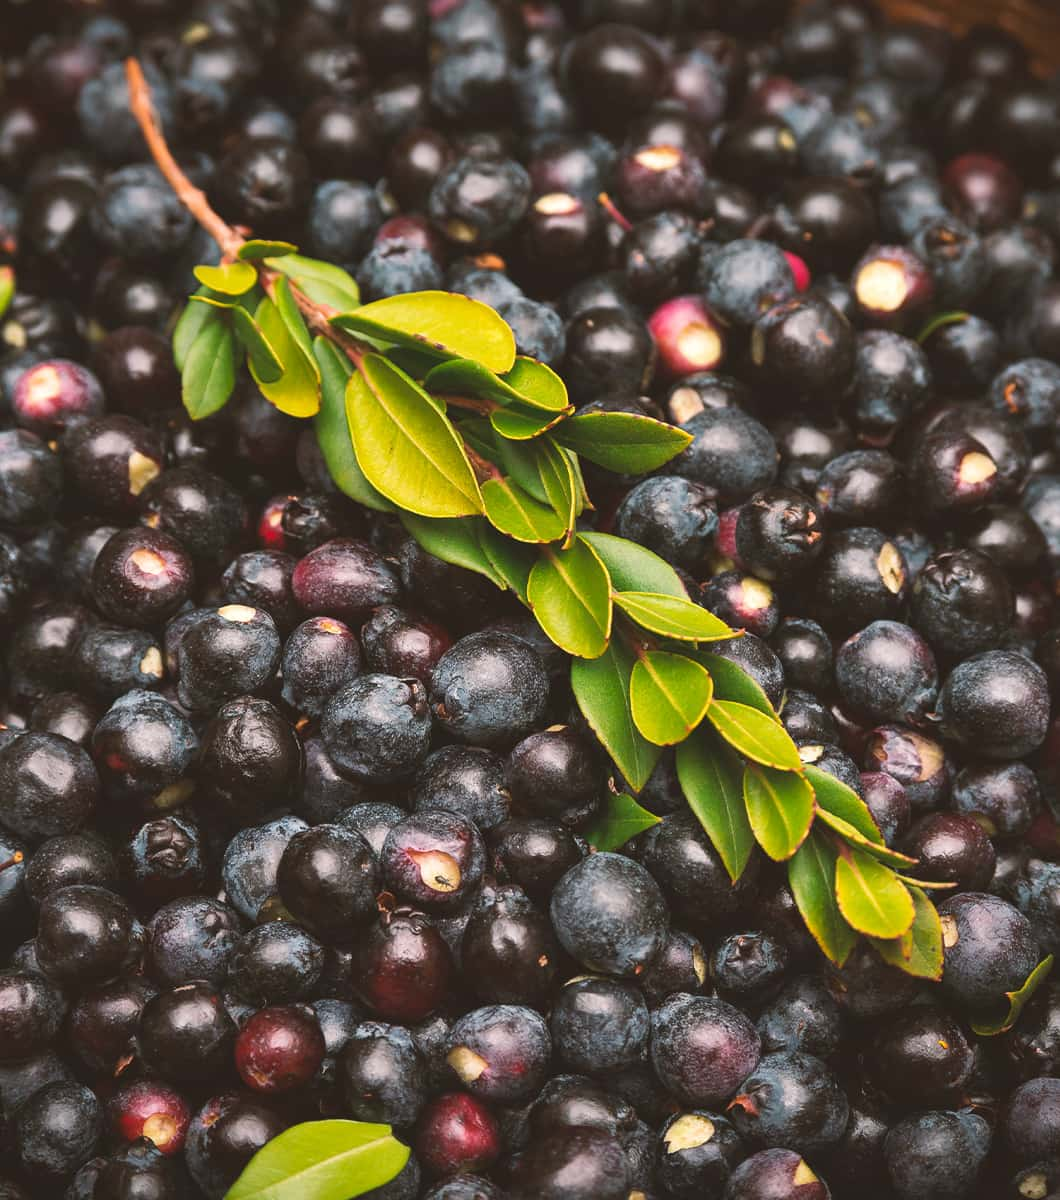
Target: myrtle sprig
[422,407]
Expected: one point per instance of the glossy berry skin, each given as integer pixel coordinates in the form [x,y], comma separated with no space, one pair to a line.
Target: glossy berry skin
[1003,798]
[465,780]
[433,859]
[191,938]
[31,1012]
[862,487]
[327,878]
[805,652]
[279,1049]
[892,285]
[654,178]
[803,1016]
[111,460]
[744,279]
[104,1020]
[572,1164]
[742,602]
[936,1154]
[382,1074]
[555,774]
[996,703]
[701,1049]
[615,72]
[397,643]
[224,1136]
[186,1035]
[860,577]
[143,748]
[610,915]
[962,602]
[609,351]
[54,393]
[1028,1120]
[458,1132]
[951,473]
[803,343]
[989,948]
[231,652]
[680,966]
[500,1053]
[675,517]
[951,848]
[509,953]
[778,533]
[84,933]
[262,579]
[697,1153]
[31,479]
[888,803]
[276,963]
[377,727]
[921,1057]
[688,338]
[918,762]
[731,453]
[403,967]
[251,860]
[48,785]
[57,1129]
[533,853]
[886,672]
[345,579]
[477,200]
[599,1025]
[746,968]
[152,1110]
[776,1174]
[792,1098]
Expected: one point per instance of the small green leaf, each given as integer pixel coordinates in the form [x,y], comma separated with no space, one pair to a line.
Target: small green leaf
[259,248]
[515,512]
[557,479]
[672,617]
[939,321]
[297,391]
[570,595]
[835,797]
[209,372]
[192,321]
[733,683]
[521,460]
[669,696]
[322,282]
[780,809]
[1009,1012]
[511,561]
[619,819]
[856,838]
[529,383]
[405,446]
[811,876]
[918,951]
[517,425]
[417,363]
[454,540]
[7,288]
[633,568]
[322,1160]
[623,442]
[333,428]
[754,735]
[233,279]
[871,899]
[601,689]
[293,319]
[266,363]
[452,326]
[537,385]
[710,775]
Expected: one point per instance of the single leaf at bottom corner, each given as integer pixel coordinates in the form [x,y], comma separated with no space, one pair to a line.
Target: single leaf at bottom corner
[780,809]
[918,951]
[710,777]
[322,1160]
[669,695]
[619,819]
[811,877]
[1014,1003]
[871,897]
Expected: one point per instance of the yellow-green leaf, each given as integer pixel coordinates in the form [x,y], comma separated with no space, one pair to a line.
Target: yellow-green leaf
[557,479]
[619,819]
[406,448]
[919,950]
[672,616]
[633,568]
[257,248]
[601,689]
[232,279]
[266,363]
[448,324]
[835,797]
[209,372]
[7,288]
[570,595]
[297,391]
[710,775]
[511,561]
[780,809]
[518,425]
[193,319]
[733,683]
[293,319]
[669,695]
[515,512]
[755,735]
[893,858]
[811,877]
[871,898]
[529,383]
[1014,1003]
[454,540]
[322,1160]
[623,442]
[322,282]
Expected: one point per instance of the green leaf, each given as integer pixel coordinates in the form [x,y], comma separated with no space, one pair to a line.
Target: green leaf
[454,540]
[811,876]
[322,1160]
[938,321]
[871,899]
[1015,1002]
[710,777]
[293,319]
[333,429]
[780,809]
[623,442]
[322,282]
[633,568]
[601,689]
[297,391]
[406,448]
[259,248]
[452,326]
[529,383]
[672,617]
[856,838]
[417,363]
[233,279]
[619,819]
[518,425]
[754,735]
[266,363]
[835,797]
[521,460]
[570,595]
[515,512]
[733,683]
[557,479]
[7,288]
[919,950]
[209,372]
[512,561]
[193,320]
[669,696]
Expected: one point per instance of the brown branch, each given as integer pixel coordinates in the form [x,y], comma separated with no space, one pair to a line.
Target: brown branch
[475,404]
[193,198]
[483,468]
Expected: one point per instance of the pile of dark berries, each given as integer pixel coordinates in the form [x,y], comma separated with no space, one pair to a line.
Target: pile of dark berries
[291,812]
